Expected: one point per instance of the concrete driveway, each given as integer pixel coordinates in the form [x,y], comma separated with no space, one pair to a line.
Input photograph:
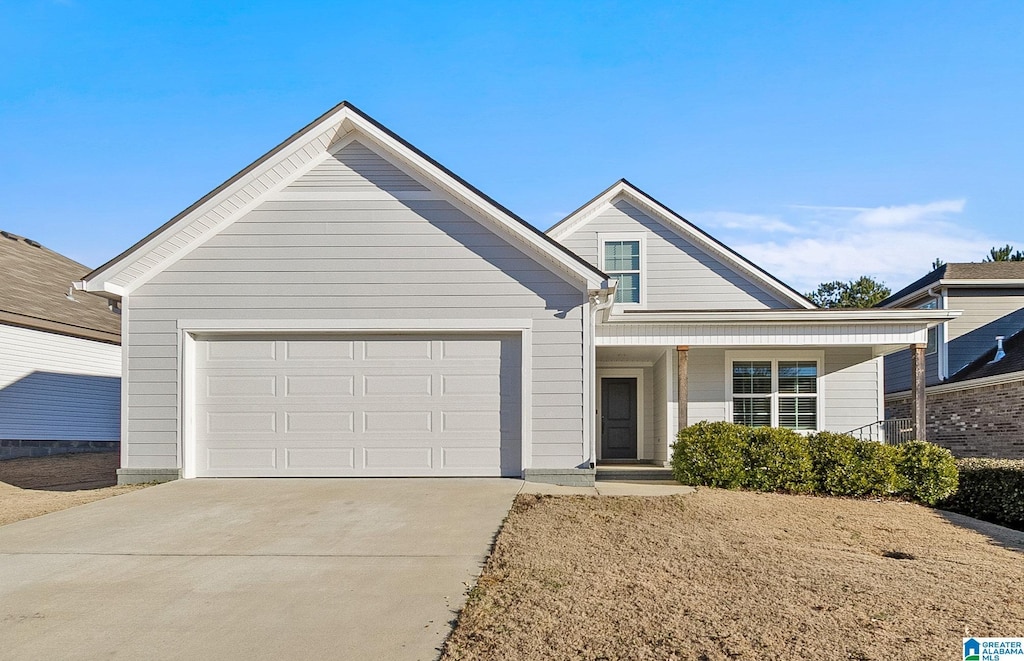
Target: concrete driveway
[249,569]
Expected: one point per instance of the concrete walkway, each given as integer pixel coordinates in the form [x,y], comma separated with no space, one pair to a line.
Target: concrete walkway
[249,569]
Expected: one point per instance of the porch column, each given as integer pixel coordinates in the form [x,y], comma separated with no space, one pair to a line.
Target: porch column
[918,413]
[682,394]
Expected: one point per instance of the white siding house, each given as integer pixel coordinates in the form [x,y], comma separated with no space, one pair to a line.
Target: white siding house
[60,357]
[345,306]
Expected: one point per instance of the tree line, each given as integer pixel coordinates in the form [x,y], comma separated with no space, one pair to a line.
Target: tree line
[866,292]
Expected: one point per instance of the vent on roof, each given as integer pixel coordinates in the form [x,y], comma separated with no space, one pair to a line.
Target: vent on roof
[8,235]
[1000,354]
[34,244]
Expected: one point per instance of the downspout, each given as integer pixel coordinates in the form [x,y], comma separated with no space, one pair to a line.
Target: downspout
[601,300]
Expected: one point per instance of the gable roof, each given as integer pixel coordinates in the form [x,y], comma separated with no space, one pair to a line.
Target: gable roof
[37,281]
[962,274]
[623,189]
[285,163]
[983,366]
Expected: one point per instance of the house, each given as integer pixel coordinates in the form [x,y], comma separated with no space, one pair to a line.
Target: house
[346,306]
[60,356]
[979,411]
[991,297]
[973,407]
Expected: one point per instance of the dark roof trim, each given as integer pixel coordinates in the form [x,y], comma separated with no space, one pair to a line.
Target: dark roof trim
[920,283]
[288,141]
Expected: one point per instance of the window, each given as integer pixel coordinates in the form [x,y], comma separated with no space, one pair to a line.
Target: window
[933,332]
[781,393]
[622,262]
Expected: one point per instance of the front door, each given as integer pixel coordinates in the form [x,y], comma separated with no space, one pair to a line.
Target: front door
[618,418]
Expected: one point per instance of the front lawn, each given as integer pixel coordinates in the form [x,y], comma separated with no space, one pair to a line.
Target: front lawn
[739,575]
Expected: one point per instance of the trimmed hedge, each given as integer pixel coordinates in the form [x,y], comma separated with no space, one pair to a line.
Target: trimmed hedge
[722,454]
[991,490]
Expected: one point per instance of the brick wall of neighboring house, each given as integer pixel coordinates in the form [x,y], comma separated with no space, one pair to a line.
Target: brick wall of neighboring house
[972,421]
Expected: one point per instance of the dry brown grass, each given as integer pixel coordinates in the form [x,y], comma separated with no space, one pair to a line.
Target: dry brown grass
[738,575]
[31,487]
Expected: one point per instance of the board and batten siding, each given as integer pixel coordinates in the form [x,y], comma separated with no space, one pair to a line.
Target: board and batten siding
[849,387]
[680,276]
[58,388]
[332,259]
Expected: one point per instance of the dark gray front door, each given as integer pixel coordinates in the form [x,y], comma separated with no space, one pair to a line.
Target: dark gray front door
[618,418]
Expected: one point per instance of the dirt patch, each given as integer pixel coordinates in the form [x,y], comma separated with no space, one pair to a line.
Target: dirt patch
[30,487]
[737,575]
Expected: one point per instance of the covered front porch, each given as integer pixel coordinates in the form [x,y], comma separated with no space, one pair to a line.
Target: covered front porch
[810,371]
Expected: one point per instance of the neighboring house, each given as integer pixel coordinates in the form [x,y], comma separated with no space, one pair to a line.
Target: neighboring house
[60,357]
[991,297]
[979,411]
[346,306]
[964,410]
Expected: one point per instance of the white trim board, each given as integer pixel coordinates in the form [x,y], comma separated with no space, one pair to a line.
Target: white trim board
[286,162]
[624,190]
[625,373]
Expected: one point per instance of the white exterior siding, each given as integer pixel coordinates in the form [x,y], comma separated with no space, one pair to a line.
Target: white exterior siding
[332,260]
[849,387]
[680,276]
[54,387]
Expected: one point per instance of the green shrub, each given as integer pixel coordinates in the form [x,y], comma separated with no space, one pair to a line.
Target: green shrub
[778,459]
[710,454]
[991,490]
[927,472]
[845,466]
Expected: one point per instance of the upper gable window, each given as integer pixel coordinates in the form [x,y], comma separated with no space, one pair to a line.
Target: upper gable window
[623,260]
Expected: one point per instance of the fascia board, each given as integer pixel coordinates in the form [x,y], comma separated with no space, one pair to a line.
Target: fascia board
[1003,283]
[869,316]
[347,119]
[95,280]
[623,189]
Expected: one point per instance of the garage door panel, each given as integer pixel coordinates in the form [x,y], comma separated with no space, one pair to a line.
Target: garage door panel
[319,385]
[372,405]
[318,351]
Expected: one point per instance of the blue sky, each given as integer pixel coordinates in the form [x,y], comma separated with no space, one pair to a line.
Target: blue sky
[823,140]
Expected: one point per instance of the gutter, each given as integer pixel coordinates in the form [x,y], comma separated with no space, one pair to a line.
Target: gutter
[994,283]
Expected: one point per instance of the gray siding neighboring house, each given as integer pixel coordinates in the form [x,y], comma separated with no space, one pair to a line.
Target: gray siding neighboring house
[60,357]
[990,296]
[347,306]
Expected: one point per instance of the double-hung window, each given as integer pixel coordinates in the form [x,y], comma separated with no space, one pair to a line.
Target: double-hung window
[622,257]
[775,393]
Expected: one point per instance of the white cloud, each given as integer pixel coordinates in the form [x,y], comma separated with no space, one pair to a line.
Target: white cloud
[734,220]
[895,244]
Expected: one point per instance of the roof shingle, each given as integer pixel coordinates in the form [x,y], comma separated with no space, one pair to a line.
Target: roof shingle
[34,294]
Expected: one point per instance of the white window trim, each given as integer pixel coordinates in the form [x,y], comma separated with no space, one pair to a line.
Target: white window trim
[817,356]
[641,237]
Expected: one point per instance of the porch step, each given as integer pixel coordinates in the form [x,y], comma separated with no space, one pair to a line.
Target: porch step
[634,473]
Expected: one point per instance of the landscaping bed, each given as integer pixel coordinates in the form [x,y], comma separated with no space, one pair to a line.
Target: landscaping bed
[739,575]
[35,486]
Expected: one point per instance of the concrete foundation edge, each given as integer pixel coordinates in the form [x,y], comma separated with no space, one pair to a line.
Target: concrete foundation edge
[146,475]
[567,477]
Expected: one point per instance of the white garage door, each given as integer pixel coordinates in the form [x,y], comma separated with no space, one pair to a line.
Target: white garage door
[386,405]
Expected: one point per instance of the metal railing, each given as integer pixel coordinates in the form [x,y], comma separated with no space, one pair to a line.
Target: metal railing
[891,432]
